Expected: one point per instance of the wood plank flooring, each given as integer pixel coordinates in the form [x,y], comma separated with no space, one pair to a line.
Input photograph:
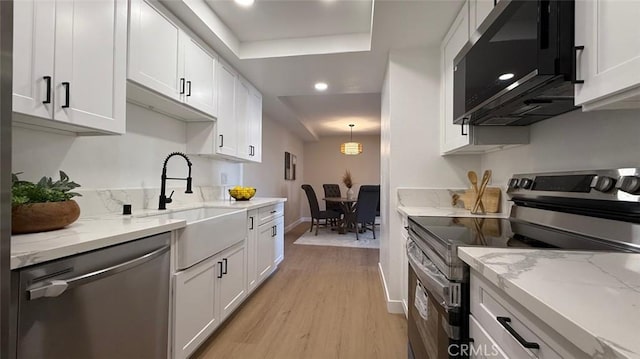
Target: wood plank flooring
[323,302]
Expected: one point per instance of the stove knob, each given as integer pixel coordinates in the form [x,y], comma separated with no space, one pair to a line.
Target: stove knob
[629,184]
[526,183]
[603,184]
[513,183]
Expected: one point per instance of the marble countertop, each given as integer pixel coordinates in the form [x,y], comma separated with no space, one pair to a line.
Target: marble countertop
[591,298]
[96,232]
[445,212]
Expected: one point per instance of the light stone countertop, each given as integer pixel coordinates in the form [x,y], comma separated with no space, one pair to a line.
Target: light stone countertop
[591,298]
[445,212]
[90,233]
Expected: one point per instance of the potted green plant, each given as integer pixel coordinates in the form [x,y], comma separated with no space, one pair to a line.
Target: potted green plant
[42,206]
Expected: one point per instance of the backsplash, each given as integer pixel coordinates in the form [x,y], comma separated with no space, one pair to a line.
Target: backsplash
[96,202]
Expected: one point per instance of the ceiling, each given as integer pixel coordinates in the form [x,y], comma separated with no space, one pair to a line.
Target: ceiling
[284,47]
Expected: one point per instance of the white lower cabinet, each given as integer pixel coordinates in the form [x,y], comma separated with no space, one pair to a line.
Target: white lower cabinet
[204,295]
[501,327]
[195,314]
[265,250]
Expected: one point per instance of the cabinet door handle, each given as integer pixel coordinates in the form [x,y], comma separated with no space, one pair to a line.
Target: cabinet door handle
[225,266]
[188,88]
[273,231]
[504,321]
[47,79]
[462,130]
[220,270]
[67,94]
[574,63]
[182,85]
[221,141]
[251,218]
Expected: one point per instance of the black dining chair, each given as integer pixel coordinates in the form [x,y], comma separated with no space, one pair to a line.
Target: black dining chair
[316,213]
[368,198]
[333,190]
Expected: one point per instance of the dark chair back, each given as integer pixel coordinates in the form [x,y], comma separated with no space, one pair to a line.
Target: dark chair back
[368,198]
[313,200]
[332,190]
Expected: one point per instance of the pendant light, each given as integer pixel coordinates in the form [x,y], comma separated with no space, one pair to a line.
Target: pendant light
[351,148]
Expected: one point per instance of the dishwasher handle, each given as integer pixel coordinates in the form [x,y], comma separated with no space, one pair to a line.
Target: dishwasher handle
[53,288]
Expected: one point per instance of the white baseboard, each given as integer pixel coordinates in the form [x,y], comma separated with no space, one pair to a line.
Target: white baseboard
[393,306]
[292,225]
[305,219]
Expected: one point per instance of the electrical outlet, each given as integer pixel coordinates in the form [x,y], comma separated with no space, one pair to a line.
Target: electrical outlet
[223,178]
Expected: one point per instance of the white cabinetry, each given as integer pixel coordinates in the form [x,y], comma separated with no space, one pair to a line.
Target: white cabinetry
[252,243]
[609,64]
[164,60]
[465,139]
[70,64]
[205,294]
[196,307]
[478,11]
[501,327]
[270,240]
[237,133]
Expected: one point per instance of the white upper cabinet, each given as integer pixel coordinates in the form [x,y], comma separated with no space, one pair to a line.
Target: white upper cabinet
[78,84]
[166,60]
[154,57]
[199,72]
[242,120]
[33,50]
[609,64]
[452,136]
[227,137]
[478,11]
[237,133]
[255,125]
[465,139]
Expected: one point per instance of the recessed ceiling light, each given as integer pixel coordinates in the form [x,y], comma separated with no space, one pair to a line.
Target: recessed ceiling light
[321,86]
[244,3]
[505,77]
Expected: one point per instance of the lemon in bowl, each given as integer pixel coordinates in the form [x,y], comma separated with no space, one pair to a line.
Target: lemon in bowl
[240,193]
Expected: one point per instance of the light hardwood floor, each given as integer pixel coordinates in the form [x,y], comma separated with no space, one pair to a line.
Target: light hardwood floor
[323,302]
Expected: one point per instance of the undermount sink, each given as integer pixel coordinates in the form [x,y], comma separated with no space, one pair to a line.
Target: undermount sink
[208,231]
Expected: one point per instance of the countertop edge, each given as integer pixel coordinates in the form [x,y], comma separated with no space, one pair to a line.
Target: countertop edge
[572,331]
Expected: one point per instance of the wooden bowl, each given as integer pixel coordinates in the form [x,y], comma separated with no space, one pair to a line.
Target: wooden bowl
[41,217]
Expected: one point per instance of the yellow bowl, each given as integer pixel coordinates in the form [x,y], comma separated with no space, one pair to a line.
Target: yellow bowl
[242,194]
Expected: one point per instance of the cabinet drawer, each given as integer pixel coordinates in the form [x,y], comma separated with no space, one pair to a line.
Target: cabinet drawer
[489,303]
[483,346]
[267,213]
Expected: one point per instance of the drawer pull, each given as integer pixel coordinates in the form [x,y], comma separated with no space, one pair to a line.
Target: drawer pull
[272,212]
[504,321]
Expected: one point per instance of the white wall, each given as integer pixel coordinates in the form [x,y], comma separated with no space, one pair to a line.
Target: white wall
[573,141]
[325,164]
[268,177]
[132,160]
[410,151]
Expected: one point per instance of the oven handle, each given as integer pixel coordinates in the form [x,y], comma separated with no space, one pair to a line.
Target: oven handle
[433,281]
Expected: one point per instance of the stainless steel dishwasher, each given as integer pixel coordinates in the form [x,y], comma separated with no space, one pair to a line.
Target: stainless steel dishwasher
[108,303]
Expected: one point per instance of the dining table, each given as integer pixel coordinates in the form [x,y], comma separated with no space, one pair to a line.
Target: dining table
[348,205]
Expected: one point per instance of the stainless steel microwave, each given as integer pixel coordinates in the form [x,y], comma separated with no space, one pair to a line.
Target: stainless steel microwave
[521,69]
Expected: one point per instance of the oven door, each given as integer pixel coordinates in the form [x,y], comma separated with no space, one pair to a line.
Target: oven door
[435,318]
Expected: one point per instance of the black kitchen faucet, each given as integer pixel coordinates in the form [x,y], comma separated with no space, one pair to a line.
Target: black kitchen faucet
[163,185]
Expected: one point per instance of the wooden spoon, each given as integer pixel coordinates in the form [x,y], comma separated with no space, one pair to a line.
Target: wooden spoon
[485,181]
[473,178]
